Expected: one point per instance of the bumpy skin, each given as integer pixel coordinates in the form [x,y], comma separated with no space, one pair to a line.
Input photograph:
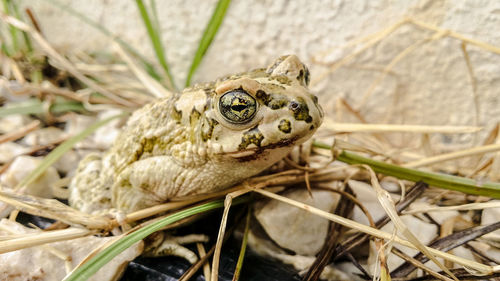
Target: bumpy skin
[187,145]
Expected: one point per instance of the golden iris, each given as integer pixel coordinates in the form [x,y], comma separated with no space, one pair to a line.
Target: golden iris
[237,106]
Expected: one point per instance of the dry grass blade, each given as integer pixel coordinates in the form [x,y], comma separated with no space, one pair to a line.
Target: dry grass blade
[388,204]
[446,244]
[153,86]
[53,209]
[206,266]
[343,209]
[359,238]
[481,268]
[464,207]
[418,264]
[453,155]
[222,228]
[43,238]
[391,128]
[52,53]
[21,132]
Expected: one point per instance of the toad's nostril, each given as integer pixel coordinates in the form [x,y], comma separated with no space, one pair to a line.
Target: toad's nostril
[294,106]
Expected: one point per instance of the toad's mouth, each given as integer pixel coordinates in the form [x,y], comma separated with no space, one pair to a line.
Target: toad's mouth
[253,151]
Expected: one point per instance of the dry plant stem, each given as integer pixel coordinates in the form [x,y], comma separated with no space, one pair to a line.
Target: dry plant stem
[45,46]
[222,229]
[51,208]
[484,269]
[194,268]
[446,244]
[45,89]
[54,251]
[206,266]
[359,238]
[43,238]
[343,209]
[453,155]
[353,199]
[394,128]
[418,264]
[19,133]
[388,205]
[384,270]
[464,207]
[153,86]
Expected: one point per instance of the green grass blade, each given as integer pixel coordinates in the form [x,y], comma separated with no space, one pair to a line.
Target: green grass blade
[93,265]
[35,106]
[67,106]
[208,36]
[13,30]
[55,154]
[154,35]
[148,66]
[465,185]
[27,41]
[244,242]
[32,106]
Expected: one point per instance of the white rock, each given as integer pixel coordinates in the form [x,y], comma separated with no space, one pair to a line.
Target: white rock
[10,150]
[267,248]
[486,249]
[37,263]
[21,167]
[106,135]
[43,136]
[76,125]
[68,162]
[390,185]
[293,228]
[491,215]
[12,122]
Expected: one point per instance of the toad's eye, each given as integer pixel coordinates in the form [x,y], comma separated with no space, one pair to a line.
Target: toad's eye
[237,106]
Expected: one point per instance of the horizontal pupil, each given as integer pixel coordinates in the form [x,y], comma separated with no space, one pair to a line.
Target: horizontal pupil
[238,107]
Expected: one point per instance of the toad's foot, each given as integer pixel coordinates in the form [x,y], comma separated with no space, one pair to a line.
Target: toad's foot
[161,244]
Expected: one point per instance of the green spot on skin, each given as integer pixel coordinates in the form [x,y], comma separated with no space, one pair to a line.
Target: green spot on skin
[252,136]
[208,129]
[193,120]
[273,101]
[283,80]
[285,126]
[176,115]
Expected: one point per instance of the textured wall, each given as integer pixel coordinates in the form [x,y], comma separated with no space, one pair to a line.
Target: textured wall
[430,86]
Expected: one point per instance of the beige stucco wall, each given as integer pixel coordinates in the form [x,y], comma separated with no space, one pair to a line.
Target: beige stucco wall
[430,86]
